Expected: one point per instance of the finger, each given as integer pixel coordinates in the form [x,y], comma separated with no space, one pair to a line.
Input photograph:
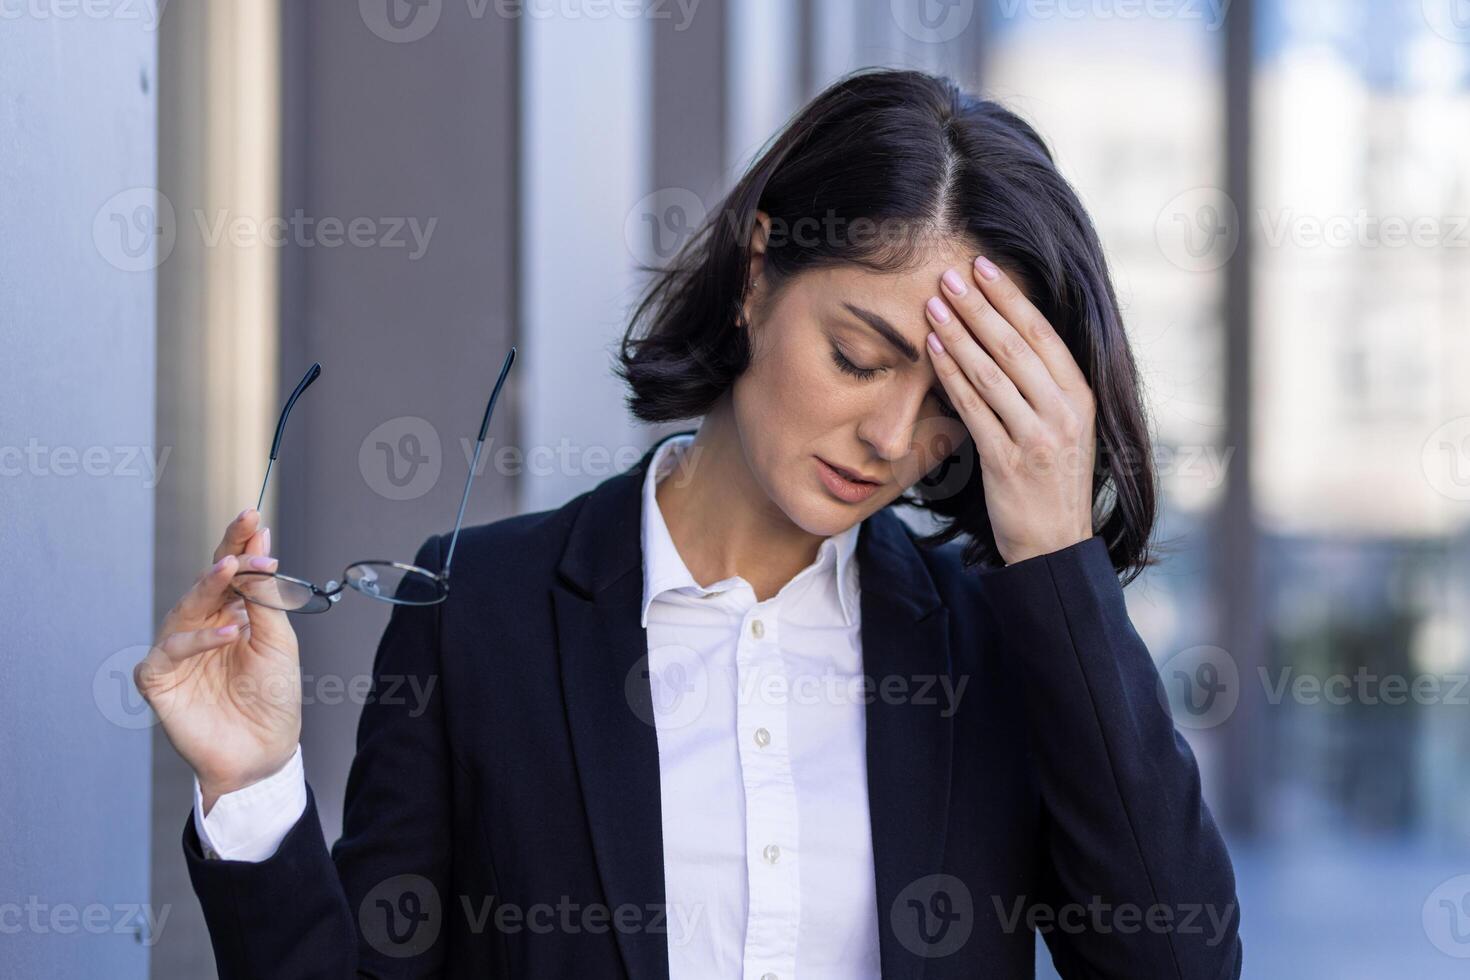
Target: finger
[257,585]
[267,625]
[258,543]
[181,646]
[232,611]
[204,598]
[1006,347]
[263,589]
[989,434]
[1007,297]
[984,378]
[237,533]
[176,649]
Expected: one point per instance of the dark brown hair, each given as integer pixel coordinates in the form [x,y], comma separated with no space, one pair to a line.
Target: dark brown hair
[884,148]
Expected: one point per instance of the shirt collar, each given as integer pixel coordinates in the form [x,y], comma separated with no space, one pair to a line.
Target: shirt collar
[664,569]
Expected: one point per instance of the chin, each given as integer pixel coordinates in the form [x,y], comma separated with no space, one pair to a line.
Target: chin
[807,504]
[817,513]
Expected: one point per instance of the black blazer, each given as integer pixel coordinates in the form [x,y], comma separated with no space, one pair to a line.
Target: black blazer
[510,826]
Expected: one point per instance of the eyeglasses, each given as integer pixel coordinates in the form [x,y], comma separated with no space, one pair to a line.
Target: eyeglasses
[397,582]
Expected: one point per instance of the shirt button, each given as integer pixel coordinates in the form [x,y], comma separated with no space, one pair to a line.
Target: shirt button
[757,628]
[769,976]
[762,737]
[772,853]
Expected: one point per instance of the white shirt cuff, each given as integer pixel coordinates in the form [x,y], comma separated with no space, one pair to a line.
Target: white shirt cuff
[249,824]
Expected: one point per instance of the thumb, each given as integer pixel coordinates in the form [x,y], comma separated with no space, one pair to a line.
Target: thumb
[268,627]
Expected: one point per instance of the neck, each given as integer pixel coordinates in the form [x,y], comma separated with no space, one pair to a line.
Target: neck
[721,520]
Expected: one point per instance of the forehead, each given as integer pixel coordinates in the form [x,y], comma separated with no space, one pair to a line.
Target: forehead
[897,296]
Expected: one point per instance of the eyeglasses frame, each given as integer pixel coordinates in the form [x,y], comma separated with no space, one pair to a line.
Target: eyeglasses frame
[333,590]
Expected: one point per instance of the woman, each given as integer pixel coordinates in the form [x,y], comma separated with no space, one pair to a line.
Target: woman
[725,715]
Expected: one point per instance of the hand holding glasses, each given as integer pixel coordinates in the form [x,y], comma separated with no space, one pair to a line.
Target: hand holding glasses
[397,582]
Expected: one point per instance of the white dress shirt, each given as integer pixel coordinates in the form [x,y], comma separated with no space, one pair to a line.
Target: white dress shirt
[759,711]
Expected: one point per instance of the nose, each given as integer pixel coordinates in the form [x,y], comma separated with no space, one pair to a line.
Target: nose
[889,428]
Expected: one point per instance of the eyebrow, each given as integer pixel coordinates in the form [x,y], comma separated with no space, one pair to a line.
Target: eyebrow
[886,330]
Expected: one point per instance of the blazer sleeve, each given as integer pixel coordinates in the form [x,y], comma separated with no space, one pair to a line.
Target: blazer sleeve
[374,904]
[1141,883]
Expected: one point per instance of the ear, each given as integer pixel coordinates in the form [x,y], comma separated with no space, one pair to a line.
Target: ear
[760,233]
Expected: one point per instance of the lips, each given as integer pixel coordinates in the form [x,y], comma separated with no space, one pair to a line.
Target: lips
[852,475]
[842,487]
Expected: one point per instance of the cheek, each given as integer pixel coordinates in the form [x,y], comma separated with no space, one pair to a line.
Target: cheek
[791,381]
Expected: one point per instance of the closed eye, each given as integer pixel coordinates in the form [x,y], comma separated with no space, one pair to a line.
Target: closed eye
[847,366]
[863,373]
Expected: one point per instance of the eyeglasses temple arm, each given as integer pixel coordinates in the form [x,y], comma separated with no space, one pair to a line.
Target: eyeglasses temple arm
[312,373]
[475,462]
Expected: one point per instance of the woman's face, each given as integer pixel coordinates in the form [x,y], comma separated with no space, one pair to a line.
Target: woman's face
[800,408]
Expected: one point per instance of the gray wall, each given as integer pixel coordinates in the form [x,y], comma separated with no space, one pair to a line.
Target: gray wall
[384,127]
[77,129]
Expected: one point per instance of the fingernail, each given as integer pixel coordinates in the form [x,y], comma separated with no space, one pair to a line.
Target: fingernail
[953,282]
[230,630]
[241,516]
[987,268]
[219,565]
[934,343]
[262,562]
[937,309]
[266,537]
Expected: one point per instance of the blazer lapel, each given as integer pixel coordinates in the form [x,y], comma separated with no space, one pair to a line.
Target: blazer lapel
[603,655]
[603,650]
[905,639]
